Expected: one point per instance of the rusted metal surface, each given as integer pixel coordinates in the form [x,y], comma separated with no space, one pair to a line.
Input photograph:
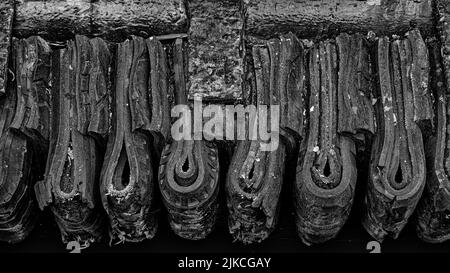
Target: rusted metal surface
[103,122]
[433,223]
[310,19]
[255,176]
[80,117]
[434,208]
[189,183]
[215,64]
[113,20]
[189,169]
[326,170]
[6,23]
[397,166]
[24,137]
[127,182]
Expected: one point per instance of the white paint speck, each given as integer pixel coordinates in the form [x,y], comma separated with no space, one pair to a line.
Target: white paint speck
[373,2]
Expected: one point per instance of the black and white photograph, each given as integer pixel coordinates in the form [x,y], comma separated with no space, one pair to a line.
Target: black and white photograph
[214,135]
